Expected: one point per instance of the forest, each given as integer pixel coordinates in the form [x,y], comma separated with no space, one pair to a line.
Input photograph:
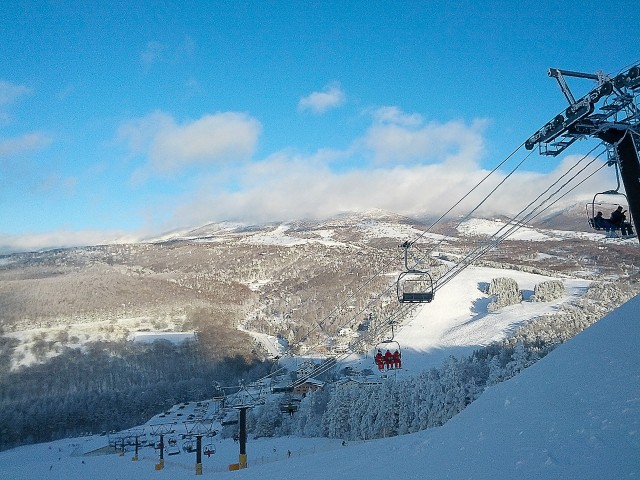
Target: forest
[111,386]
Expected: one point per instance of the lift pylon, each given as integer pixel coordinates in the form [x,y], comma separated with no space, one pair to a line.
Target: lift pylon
[610,112]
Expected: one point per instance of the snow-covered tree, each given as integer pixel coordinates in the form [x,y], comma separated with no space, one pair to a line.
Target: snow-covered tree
[548,291]
[506,293]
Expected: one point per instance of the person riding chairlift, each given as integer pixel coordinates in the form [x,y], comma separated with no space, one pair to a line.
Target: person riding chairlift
[379,360]
[397,359]
[388,359]
[618,220]
[602,223]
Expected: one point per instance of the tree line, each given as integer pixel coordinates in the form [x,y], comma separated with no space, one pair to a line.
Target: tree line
[111,386]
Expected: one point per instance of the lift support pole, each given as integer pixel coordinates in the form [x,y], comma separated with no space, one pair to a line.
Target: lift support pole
[629,168]
[243,437]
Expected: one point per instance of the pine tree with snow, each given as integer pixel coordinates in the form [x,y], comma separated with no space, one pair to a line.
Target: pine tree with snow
[548,291]
[506,293]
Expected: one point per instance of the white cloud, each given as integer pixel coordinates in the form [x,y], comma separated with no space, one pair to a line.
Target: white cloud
[215,138]
[61,239]
[410,141]
[26,143]
[9,92]
[396,116]
[319,102]
[152,53]
[289,186]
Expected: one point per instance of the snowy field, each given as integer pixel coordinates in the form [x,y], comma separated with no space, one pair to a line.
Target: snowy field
[573,415]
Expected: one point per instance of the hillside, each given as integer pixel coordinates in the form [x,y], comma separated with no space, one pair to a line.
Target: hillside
[288,275]
[574,414]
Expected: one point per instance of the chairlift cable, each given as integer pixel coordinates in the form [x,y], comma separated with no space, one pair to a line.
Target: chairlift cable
[513,223]
[499,237]
[470,213]
[477,185]
[518,225]
[570,190]
[386,266]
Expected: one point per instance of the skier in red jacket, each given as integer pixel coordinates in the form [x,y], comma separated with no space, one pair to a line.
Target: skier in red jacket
[397,359]
[388,359]
[379,360]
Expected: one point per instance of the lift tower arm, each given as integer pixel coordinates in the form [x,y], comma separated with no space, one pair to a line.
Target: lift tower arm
[559,76]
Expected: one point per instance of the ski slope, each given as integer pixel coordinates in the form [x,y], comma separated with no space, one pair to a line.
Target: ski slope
[458,322]
[573,415]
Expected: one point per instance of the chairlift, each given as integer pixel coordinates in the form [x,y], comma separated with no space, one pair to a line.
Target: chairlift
[604,203]
[414,286]
[388,354]
[290,406]
[189,446]
[209,449]
[172,446]
[599,205]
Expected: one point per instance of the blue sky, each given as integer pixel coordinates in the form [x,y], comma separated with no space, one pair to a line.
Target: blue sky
[125,119]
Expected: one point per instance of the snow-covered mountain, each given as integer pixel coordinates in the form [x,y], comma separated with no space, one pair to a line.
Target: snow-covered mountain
[113,291]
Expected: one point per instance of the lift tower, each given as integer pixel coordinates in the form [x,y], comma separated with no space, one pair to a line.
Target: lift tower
[610,112]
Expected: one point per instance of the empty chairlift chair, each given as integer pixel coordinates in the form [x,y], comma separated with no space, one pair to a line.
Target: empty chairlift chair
[414,286]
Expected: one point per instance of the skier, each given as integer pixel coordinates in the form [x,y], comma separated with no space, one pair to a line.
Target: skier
[388,359]
[379,360]
[397,359]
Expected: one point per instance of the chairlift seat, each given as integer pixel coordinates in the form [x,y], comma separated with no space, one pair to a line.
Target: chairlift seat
[417,297]
[413,286]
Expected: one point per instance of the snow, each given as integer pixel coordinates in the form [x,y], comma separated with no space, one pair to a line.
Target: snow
[142,328]
[278,236]
[173,337]
[457,321]
[275,346]
[574,414]
[398,231]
